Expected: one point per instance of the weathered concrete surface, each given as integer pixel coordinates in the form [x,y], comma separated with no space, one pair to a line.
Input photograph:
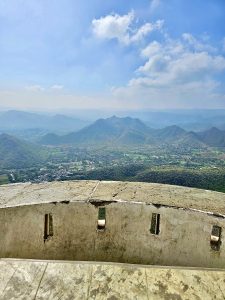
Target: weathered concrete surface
[22,194]
[27,193]
[183,239]
[78,280]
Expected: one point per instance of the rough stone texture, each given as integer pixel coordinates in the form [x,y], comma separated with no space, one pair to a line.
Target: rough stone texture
[78,280]
[183,239]
[161,194]
[19,280]
[25,194]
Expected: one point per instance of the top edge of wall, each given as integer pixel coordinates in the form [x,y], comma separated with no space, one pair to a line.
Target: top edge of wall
[112,191]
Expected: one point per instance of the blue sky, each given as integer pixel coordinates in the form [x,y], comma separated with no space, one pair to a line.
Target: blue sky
[112,54]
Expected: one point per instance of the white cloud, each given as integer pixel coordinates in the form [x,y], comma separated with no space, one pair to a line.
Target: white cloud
[173,62]
[165,69]
[122,28]
[197,45]
[113,26]
[145,29]
[176,74]
[153,48]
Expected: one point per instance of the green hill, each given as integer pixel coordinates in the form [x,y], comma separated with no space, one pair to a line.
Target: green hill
[15,153]
[213,137]
[112,130]
[169,133]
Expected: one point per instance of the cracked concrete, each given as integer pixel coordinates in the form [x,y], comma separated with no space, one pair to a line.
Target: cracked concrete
[90,280]
[27,193]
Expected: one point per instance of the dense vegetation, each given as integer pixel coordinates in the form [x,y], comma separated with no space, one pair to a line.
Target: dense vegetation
[4,179]
[211,179]
[15,153]
[118,149]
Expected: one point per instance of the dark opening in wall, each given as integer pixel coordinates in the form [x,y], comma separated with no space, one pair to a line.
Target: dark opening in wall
[155,224]
[215,239]
[48,226]
[101,219]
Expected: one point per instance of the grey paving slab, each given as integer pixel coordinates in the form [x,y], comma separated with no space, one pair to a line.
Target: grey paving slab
[118,282]
[7,270]
[185,284]
[65,281]
[25,279]
[24,282]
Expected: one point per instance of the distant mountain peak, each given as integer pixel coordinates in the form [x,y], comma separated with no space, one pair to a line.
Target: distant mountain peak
[213,129]
[113,117]
[114,129]
[127,130]
[213,137]
[19,120]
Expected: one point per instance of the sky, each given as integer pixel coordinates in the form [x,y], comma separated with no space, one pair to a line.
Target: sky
[130,54]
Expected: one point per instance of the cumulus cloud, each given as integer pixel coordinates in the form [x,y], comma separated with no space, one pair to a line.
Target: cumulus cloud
[145,29]
[175,71]
[164,69]
[113,26]
[123,28]
[196,44]
[152,49]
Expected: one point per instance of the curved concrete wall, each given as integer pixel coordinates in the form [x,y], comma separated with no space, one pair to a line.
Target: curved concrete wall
[183,239]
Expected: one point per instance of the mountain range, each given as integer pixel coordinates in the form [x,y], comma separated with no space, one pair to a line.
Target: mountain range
[113,131]
[132,131]
[14,120]
[32,124]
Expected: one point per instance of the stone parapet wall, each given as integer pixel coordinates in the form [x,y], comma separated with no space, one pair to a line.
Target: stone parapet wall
[129,232]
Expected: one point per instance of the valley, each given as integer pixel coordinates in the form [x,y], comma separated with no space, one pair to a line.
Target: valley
[163,164]
[116,149]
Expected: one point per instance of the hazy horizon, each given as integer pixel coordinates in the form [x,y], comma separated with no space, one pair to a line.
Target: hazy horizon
[136,55]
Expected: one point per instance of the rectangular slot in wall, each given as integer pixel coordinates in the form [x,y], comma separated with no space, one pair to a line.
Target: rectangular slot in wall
[101,219]
[155,224]
[48,226]
[215,238]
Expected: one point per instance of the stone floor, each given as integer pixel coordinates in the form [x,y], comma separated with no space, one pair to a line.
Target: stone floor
[26,279]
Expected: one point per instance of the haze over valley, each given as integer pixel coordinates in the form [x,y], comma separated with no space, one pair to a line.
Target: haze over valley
[36,147]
